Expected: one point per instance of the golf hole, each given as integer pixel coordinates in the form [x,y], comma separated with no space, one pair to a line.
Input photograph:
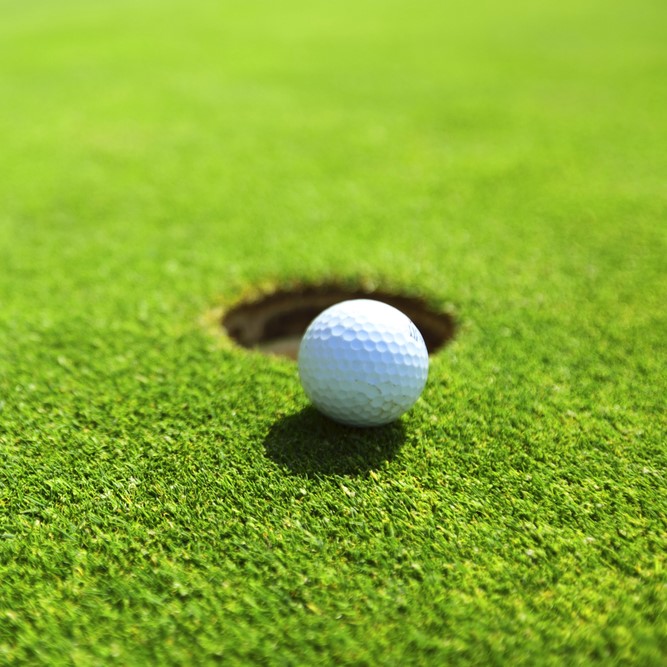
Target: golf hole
[275,323]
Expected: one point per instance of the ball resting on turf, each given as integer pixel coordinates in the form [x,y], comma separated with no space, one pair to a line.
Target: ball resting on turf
[363,363]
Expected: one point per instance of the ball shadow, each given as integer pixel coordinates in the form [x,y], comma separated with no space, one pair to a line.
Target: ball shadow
[309,444]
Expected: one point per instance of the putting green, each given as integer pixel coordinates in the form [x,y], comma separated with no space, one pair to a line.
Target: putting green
[169,498]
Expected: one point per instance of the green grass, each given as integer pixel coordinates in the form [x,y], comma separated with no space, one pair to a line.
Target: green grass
[166,498]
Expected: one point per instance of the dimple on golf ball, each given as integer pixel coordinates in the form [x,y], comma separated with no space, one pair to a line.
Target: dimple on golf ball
[363,363]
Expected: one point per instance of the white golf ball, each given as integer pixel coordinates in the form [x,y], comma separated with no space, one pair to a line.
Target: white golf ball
[363,363]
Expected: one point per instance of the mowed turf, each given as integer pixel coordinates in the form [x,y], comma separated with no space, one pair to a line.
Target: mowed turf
[167,498]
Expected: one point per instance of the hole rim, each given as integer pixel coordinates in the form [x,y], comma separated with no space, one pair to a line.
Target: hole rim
[245,322]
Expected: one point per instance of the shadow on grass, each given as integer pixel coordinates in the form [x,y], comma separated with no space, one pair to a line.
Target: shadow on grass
[308,444]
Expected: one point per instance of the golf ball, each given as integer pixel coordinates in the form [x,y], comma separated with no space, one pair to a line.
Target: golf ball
[363,363]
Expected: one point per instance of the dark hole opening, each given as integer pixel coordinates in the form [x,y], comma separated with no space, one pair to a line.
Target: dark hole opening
[274,323]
